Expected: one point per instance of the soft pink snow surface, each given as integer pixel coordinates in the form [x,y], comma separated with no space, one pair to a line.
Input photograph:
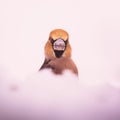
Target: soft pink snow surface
[45,96]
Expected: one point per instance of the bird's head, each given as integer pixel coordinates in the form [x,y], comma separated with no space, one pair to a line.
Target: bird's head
[58,44]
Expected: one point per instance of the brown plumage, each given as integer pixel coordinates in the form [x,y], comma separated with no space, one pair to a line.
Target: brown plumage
[58,53]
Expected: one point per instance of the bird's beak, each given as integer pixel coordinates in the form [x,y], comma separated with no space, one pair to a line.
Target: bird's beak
[59,45]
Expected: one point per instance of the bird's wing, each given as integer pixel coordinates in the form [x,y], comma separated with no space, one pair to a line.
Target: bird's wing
[45,64]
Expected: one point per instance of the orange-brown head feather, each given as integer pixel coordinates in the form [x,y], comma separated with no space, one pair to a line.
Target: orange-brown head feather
[54,35]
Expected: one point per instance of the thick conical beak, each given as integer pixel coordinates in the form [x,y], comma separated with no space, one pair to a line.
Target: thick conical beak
[59,45]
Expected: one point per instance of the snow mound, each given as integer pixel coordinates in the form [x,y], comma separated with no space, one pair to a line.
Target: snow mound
[44,96]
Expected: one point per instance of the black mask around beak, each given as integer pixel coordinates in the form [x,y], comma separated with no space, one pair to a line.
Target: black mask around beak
[59,47]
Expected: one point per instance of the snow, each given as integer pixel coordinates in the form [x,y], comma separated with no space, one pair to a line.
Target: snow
[57,97]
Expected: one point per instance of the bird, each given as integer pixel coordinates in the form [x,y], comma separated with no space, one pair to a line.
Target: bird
[57,52]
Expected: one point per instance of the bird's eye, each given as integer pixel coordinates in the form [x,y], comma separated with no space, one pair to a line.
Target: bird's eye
[51,40]
[66,42]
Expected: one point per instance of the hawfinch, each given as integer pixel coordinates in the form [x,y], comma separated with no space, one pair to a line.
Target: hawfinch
[58,53]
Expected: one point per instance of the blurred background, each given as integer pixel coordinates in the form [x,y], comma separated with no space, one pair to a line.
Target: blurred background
[93,26]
